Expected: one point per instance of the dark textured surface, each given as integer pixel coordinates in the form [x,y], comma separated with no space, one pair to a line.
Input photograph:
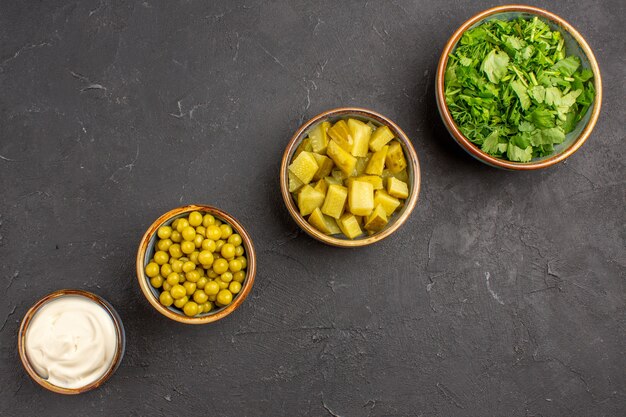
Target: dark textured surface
[503,294]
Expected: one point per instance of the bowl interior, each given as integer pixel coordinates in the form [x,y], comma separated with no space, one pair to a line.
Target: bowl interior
[412,169]
[572,47]
[150,252]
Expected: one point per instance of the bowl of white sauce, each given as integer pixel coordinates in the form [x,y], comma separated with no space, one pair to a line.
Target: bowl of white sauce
[71,341]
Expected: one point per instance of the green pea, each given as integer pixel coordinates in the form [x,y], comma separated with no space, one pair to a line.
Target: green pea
[235,239]
[187,247]
[176,236]
[211,288]
[206,307]
[235,265]
[177,265]
[178,291]
[173,279]
[175,251]
[166,298]
[223,285]
[234,287]
[166,286]
[195,218]
[152,269]
[226,230]
[202,282]
[208,244]
[219,244]
[164,232]
[188,266]
[224,297]
[157,281]
[205,258]
[181,301]
[166,269]
[228,251]
[198,241]
[192,276]
[200,297]
[213,232]
[226,277]
[189,233]
[190,287]
[244,261]
[164,244]
[208,220]
[239,251]
[239,276]
[201,230]
[182,223]
[193,256]
[220,266]
[161,257]
[190,308]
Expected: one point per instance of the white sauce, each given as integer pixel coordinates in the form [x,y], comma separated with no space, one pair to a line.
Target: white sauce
[71,341]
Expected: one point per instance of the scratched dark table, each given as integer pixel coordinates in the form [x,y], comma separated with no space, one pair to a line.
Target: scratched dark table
[503,295]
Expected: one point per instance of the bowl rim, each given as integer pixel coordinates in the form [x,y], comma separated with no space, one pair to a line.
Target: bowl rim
[411,156]
[473,149]
[143,279]
[117,358]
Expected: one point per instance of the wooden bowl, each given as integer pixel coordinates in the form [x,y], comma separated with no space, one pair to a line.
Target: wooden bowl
[115,363]
[575,45]
[413,169]
[146,250]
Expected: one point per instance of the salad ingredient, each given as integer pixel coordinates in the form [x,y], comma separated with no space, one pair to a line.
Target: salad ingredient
[361,198]
[349,225]
[397,188]
[304,167]
[380,138]
[513,91]
[377,220]
[209,258]
[335,201]
[342,158]
[309,199]
[348,177]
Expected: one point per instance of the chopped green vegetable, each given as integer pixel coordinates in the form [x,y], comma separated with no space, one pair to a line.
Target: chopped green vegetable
[513,92]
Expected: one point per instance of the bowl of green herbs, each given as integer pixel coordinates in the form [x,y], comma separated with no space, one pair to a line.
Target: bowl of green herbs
[518,88]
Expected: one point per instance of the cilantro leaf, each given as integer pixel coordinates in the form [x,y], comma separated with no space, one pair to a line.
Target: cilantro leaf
[495,65]
[490,144]
[550,136]
[542,117]
[520,90]
[517,154]
[567,66]
[513,91]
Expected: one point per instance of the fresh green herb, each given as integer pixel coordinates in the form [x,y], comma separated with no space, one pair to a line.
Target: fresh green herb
[512,90]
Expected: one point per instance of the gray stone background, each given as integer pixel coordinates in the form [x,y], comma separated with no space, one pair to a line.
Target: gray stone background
[503,295]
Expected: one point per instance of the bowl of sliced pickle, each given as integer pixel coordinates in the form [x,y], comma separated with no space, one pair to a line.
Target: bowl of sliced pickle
[350,177]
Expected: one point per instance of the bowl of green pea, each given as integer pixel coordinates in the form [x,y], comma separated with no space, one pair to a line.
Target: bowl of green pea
[196,264]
